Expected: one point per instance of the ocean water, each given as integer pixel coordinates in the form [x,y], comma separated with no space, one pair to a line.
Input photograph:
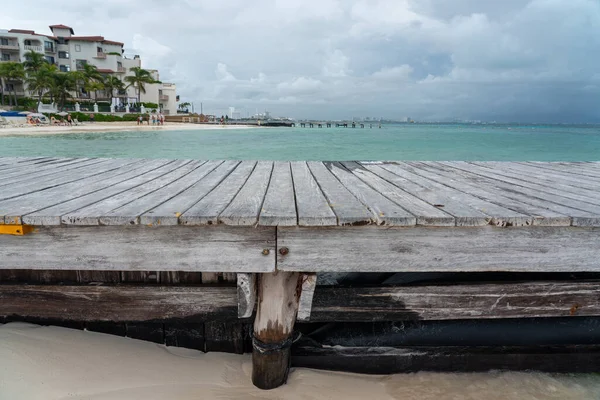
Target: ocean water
[391,142]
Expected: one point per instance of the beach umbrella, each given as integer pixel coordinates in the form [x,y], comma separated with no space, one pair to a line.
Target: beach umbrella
[63,114]
[38,115]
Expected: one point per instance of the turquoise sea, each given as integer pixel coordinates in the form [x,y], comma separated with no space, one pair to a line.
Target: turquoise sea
[391,142]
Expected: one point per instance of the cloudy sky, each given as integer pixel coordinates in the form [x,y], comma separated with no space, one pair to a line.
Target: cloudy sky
[505,60]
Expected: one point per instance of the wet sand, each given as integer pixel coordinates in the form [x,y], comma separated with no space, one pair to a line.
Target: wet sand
[52,363]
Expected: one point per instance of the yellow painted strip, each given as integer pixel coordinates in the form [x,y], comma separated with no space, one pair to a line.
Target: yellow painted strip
[17,230]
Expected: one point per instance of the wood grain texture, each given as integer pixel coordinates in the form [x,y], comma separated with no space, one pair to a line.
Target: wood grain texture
[246,293]
[118,303]
[279,206]
[425,213]
[348,209]
[140,248]
[244,209]
[94,213]
[309,284]
[480,301]
[168,213]
[313,207]
[468,210]
[425,249]
[47,209]
[207,210]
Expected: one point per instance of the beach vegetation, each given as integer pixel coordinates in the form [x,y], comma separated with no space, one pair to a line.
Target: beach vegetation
[13,73]
[112,84]
[140,78]
[41,81]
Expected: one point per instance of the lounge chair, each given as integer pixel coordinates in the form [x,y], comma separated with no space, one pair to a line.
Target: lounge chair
[76,122]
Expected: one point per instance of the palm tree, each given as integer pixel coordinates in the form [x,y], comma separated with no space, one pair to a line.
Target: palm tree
[3,76]
[15,73]
[112,83]
[139,79]
[34,61]
[64,84]
[92,79]
[41,80]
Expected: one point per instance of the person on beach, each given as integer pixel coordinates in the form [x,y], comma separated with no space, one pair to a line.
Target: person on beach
[92,118]
[69,120]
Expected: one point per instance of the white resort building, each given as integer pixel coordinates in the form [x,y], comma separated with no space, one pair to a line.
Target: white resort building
[70,53]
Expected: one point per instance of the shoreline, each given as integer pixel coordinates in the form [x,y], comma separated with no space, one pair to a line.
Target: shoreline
[103,127]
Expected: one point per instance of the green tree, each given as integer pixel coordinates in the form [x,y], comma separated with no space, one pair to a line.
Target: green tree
[139,80]
[93,80]
[15,73]
[42,80]
[34,62]
[64,84]
[112,83]
[3,77]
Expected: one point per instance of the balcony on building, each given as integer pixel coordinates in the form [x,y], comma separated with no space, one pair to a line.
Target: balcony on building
[9,45]
[163,97]
[49,47]
[5,57]
[34,45]
[100,53]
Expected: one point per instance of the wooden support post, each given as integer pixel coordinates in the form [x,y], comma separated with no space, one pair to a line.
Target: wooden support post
[278,297]
[309,283]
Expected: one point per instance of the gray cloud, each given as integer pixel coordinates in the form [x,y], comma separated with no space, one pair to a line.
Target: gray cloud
[533,60]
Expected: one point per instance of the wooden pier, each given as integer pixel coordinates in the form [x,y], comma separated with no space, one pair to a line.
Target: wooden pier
[184,250]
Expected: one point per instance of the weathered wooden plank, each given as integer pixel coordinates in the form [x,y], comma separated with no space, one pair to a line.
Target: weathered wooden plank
[279,206]
[20,162]
[37,210]
[180,277]
[425,213]
[51,200]
[168,212]
[224,337]
[72,175]
[468,210]
[375,249]
[246,293]
[348,209]
[309,284]
[504,173]
[581,213]
[188,335]
[38,276]
[385,360]
[92,214]
[312,206]
[385,212]
[140,248]
[512,300]
[117,303]
[246,205]
[567,175]
[34,171]
[207,210]
[130,212]
[540,215]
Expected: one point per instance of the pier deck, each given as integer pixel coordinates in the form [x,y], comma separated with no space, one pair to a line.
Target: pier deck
[276,224]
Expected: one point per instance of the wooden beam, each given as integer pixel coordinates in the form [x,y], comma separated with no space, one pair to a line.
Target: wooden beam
[246,292]
[142,248]
[309,284]
[429,249]
[476,301]
[118,303]
[15,230]
[122,303]
[379,360]
[278,296]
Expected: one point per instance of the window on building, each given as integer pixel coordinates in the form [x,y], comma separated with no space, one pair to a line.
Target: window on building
[61,40]
[63,54]
[4,41]
[27,42]
[10,87]
[65,68]
[5,57]
[77,47]
[80,63]
[48,46]
[99,49]
[50,59]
